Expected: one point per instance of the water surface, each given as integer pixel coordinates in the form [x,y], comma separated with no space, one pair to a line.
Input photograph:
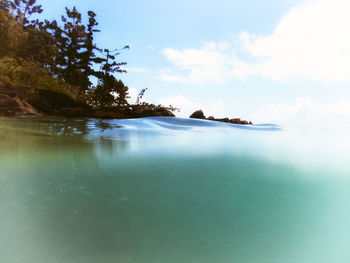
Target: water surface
[171,190]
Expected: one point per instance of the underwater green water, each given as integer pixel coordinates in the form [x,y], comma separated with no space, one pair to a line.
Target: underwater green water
[170,190]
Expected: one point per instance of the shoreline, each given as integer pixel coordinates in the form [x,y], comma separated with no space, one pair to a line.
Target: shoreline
[19,100]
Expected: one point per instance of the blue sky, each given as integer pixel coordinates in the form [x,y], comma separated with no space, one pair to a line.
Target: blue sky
[272,60]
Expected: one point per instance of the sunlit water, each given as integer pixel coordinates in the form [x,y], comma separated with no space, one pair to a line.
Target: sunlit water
[171,190]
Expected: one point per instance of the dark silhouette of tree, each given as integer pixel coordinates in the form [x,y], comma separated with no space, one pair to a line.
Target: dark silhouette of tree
[4,5]
[64,52]
[70,42]
[140,96]
[24,9]
[10,31]
[88,57]
[109,90]
[109,63]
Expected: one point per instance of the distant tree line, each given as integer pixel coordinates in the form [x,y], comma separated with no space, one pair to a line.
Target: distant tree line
[58,55]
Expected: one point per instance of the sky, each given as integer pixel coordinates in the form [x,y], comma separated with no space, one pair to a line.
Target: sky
[274,61]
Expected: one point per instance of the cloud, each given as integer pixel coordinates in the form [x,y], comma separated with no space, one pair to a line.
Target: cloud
[310,43]
[282,112]
[133,93]
[341,107]
[305,110]
[217,109]
[207,64]
[187,106]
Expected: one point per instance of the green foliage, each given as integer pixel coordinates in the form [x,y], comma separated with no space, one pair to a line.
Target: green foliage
[4,5]
[140,96]
[24,9]
[11,34]
[43,54]
[31,42]
[111,92]
[31,74]
[88,57]
[70,41]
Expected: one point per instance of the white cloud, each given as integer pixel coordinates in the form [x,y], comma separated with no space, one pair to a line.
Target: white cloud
[341,107]
[217,109]
[133,93]
[207,64]
[311,42]
[305,110]
[187,106]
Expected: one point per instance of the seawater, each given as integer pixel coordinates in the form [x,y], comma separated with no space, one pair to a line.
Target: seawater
[171,190]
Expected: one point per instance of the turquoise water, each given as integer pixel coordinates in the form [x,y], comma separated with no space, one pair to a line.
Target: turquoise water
[171,190]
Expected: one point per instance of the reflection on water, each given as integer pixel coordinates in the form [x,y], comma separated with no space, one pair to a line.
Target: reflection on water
[166,190]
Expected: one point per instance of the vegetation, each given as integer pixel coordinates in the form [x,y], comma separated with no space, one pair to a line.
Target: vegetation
[58,55]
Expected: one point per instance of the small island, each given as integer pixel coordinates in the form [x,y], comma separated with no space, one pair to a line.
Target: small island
[55,68]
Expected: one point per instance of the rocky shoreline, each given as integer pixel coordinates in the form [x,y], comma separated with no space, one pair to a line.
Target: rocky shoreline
[200,115]
[17,100]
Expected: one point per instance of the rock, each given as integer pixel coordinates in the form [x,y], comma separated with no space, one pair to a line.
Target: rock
[20,100]
[13,106]
[11,100]
[133,111]
[236,121]
[197,115]
[51,102]
[223,120]
[200,115]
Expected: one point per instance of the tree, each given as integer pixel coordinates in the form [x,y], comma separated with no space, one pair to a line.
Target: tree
[140,96]
[24,9]
[109,90]
[70,42]
[88,57]
[11,33]
[21,39]
[4,5]
[66,52]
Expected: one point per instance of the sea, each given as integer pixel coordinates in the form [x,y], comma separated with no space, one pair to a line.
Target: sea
[172,190]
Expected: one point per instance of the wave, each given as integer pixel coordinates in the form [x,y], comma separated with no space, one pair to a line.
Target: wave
[186,124]
[119,128]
